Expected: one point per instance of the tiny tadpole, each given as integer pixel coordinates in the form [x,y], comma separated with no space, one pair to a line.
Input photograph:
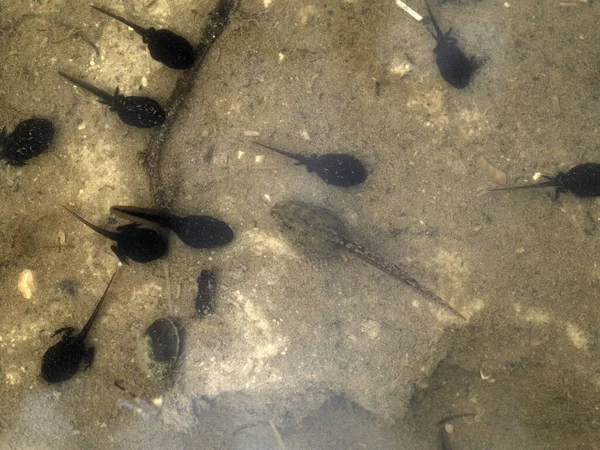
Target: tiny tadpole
[454,66]
[337,169]
[582,181]
[140,112]
[131,242]
[194,231]
[30,138]
[166,47]
[63,359]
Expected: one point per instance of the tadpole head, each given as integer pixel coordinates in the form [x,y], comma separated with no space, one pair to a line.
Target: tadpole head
[148,32]
[560,178]
[311,163]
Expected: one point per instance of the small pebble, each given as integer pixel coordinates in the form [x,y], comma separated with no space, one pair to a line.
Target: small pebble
[26,283]
[401,68]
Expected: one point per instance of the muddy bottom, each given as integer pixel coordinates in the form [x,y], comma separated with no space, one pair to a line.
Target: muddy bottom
[307,350]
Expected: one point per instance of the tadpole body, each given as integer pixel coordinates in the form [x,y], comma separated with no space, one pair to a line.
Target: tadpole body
[61,361]
[166,47]
[30,138]
[337,169]
[582,181]
[452,63]
[140,112]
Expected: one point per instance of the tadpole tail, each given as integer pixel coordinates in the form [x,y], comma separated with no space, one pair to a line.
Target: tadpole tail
[549,183]
[3,135]
[103,95]
[444,439]
[398,273]
[96,228]
[435,25]
[86,329]
[301,159]
[154,216]
[139,30]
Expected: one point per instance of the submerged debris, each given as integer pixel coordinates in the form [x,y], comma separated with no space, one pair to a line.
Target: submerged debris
[66,288]
[205,302]
[146,409]
[163,344]
[492,173]
[26,283]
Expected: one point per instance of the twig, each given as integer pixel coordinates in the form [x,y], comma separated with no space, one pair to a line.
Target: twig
[162,195]
[277,435]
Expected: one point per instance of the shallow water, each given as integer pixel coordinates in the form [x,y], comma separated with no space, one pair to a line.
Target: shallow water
[309,353]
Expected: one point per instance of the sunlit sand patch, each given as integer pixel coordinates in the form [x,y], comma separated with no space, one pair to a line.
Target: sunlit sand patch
[307,13]
[532,315]
[261,242]
[577,336]
[400,67]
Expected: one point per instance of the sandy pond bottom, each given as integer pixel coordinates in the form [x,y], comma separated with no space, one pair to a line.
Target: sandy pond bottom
[307,353]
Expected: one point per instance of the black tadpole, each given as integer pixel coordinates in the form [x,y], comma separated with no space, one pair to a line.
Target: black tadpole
[131,242]
[140,112]
[337,169]
[166,47]
[454,66]
[194,231]
[63,359]
[30,138]
[582,181]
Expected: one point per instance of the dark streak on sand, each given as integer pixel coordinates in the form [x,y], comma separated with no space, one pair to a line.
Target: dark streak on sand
[163,193]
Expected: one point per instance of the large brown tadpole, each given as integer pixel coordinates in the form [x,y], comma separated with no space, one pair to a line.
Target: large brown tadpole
[320,232]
